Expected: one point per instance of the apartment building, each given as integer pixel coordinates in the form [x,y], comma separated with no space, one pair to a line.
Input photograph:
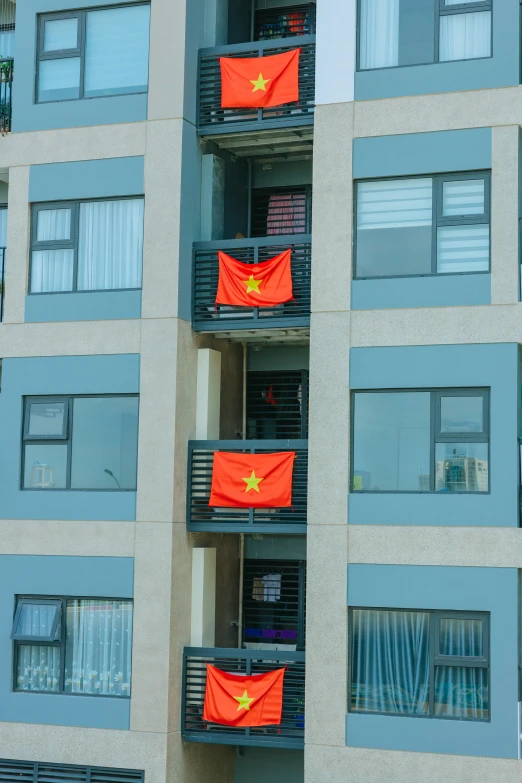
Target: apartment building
[389,590]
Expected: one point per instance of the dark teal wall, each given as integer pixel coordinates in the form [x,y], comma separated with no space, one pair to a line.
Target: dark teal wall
[269,765]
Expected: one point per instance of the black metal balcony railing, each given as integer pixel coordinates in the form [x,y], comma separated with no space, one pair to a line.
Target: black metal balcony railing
[212,119]
[209,317]
[289,734]
[2,282]
[202,517]
[6,82]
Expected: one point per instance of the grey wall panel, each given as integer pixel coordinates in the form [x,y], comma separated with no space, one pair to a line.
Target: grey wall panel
[92,306]
[85,179]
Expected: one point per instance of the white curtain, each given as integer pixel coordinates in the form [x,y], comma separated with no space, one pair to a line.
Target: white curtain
[98,647]
[463,248]
[461,691]
[379,34]
[110,245]
[51,270]
[390,661]
[38,668]
[465,36]
[53,225]
[399,203]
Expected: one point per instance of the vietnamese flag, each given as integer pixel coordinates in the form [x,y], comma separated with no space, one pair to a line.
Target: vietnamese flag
[243,700]
[252,480]
[254,285]
[255,82]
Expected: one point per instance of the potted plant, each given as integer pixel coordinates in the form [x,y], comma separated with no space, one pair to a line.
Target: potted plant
[299,713]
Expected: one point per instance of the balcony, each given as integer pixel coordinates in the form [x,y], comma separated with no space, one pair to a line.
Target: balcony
[209,317]
[287,129]
[289,734]
[6,82]
[202,517]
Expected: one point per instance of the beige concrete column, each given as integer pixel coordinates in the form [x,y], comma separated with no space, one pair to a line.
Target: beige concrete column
[504,215]
[17,256]
[208,394]
[167,59]
[203,607]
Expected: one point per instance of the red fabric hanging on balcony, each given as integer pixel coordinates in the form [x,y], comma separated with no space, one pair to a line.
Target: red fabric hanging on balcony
[252,480]
[257,82]
[243,700]
[254,285]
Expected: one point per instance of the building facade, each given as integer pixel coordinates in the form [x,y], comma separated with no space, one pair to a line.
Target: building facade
[390,589]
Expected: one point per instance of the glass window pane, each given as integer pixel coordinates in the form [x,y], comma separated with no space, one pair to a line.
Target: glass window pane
[59,80]
[465,36]
[111,245]
[104,443]
[53,225]
[46,418]
[36,619]
[52,270]
[45,466]
[462,249]
[461,692]
[416,32]
[461,467]
[99,647]
[7,39]
[117,51]
[461,637]
[37,668]
[462,414]
[3,228]
[390,662]
[379,34]
[392,441]
[60,34]
[394,227]
[465,197]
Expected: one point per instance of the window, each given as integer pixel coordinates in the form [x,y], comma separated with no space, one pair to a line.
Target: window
[421,441]
[73,645]
[87,246]
[277,211]
[395,33]
[277,404]
[284,22]
[423,664]
[422,226]
[88,54]
[80,443]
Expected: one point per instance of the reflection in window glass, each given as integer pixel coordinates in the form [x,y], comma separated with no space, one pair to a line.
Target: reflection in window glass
[394,227]
[461,637]
[45,466]
[46,418]
[392,441]
[117,51]
[53,224]
[105,443]
[59,80]
[461,692]
[463,197]
[37,668]
[462,249]
[462,414]
[60,34]
[461,467]
[465,36]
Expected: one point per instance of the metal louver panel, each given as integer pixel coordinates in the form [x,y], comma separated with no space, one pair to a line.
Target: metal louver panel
[277,404]
[284,22]
[34,772]
[274,602]
[277,211]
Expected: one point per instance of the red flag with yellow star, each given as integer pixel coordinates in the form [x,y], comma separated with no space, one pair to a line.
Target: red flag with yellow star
[257,82]
[252,480]
[254,285]
[243,700]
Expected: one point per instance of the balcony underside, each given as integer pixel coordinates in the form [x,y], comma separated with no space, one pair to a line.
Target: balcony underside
[292,142]
[246,333]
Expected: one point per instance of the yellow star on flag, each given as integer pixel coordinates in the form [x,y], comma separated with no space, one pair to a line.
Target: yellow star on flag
[252,284]
[259,83]
[252,483]
[244,701]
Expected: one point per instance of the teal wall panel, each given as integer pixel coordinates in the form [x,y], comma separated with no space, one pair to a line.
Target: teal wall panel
[446,366]
[91,306]
[30,116]
[104,577]
[259,765]
[85,179]
[429,291]
[275,547]
[501,70]
[49,376]
[422,153]
[493,590]
[296,357]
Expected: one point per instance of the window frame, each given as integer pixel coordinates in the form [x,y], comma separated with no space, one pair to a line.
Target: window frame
[61,642]
[71,244]
[438,220]
[436,436]
[79,51]
[18,637]
[440,9]
[435,659]
[68,441]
